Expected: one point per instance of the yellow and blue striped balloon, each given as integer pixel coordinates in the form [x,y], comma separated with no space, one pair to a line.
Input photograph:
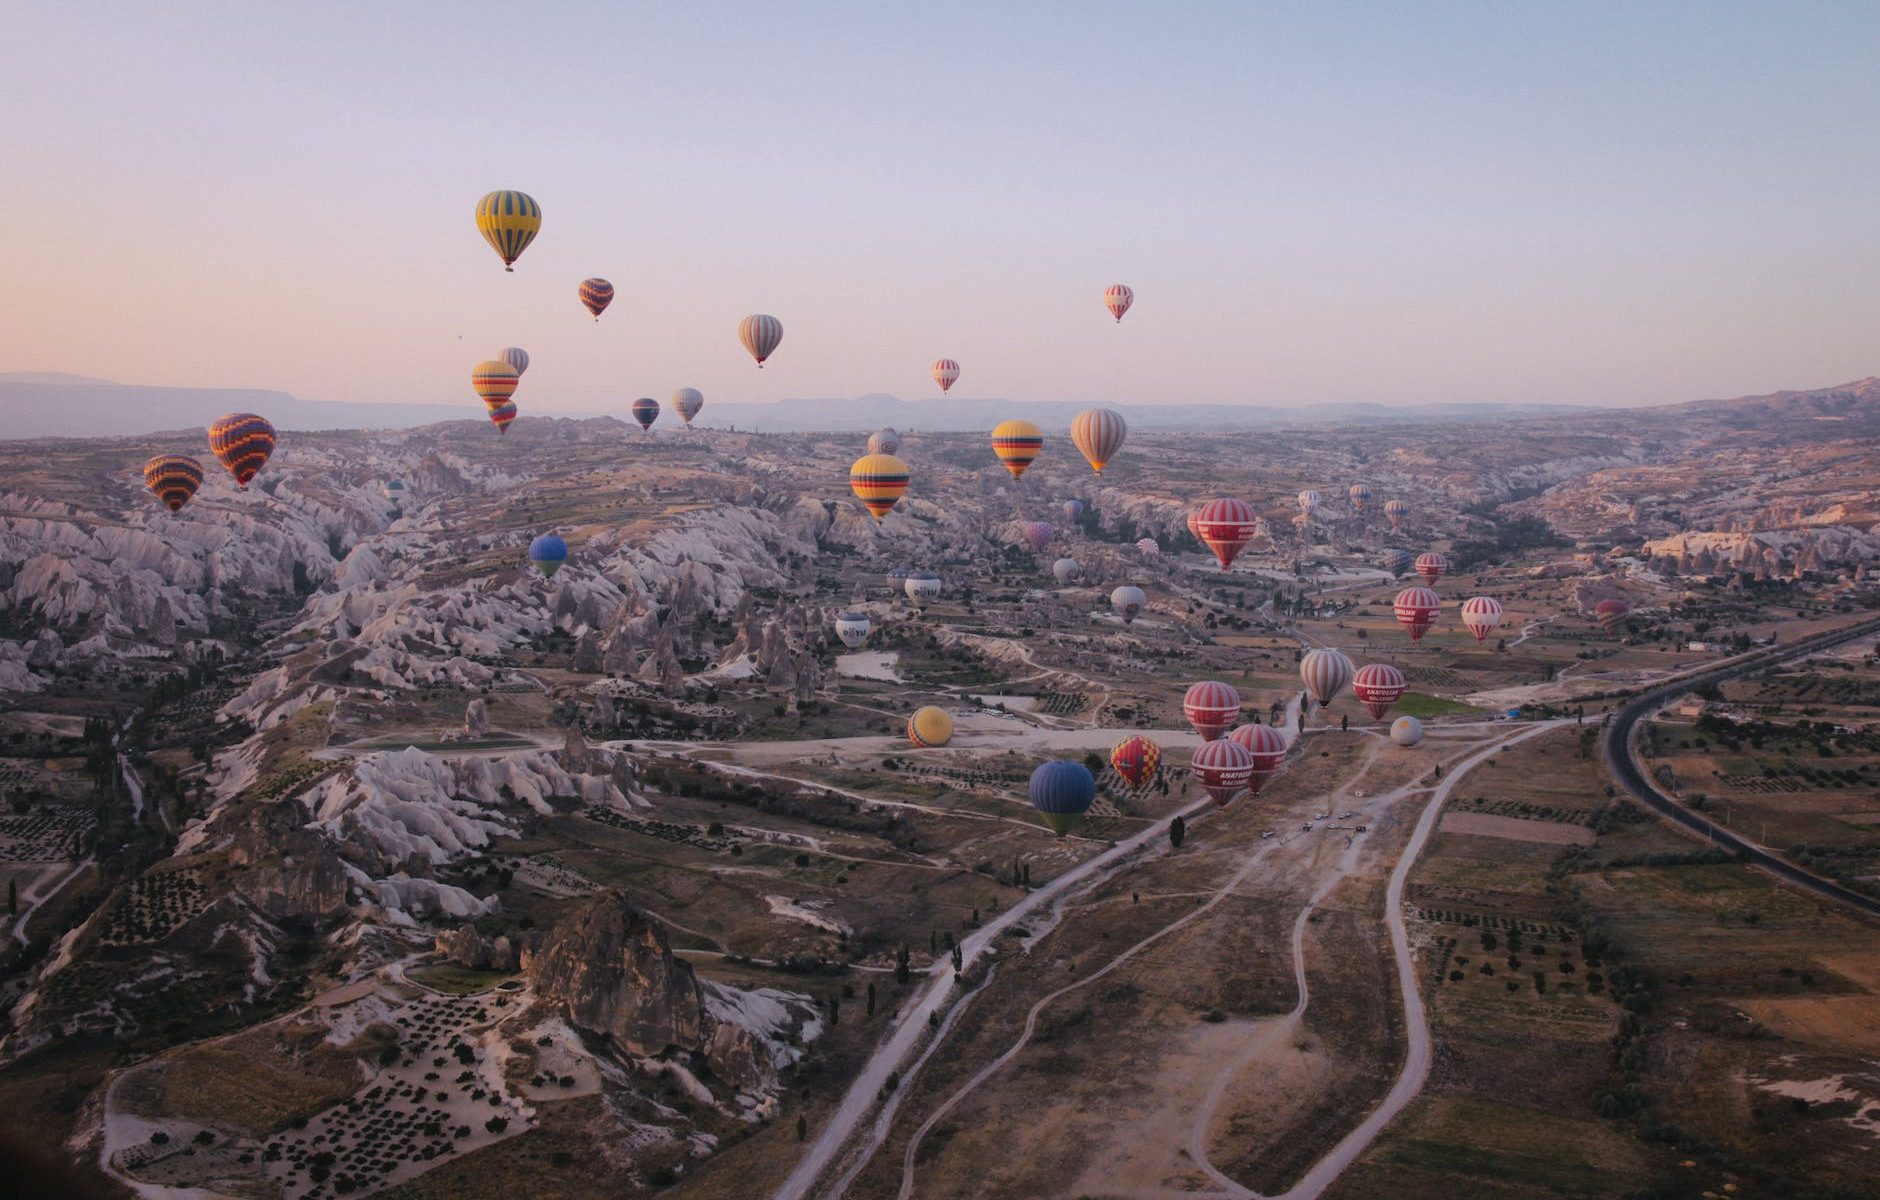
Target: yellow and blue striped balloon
[509,221]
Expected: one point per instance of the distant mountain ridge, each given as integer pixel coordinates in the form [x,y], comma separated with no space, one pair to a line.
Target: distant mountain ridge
[53,404]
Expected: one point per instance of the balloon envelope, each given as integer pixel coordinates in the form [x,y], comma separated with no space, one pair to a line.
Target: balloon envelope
[945,373]
[1227,527]
[173,479]
[853,628]
[1325,672]
[885,442]
[516,357]
[1135,759]
[929,727]
[509,221]
[922,587]
[1416,609]
[1377,686]
[1406,731]
[548,552]
[1062,791]
[1117,298]
[878,481]
[761,335]
[1098,434]
[1066,569]
[1223,768]
[1212,708]
[1017,443]
[1431,565]
[596,294]
[687,402]
[645,411]
[1481,616]
[241,442]
[1128,601]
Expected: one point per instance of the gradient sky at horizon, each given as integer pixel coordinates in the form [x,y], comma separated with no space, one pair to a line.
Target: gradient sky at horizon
[1601,203]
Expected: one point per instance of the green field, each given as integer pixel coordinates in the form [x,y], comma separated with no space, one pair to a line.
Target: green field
[1422,704]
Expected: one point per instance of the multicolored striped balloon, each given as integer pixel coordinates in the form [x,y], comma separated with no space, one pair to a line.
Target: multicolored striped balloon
[761,335]
[1377,686]
[173,479]
[946,373]
[1117,298]
[1360,494]
[1396,510]
[1098,434]
[509,221]
[596,294]
[1017,443]
[502,414]
[878,480]
[242,442]
[1211,707]
[494,380]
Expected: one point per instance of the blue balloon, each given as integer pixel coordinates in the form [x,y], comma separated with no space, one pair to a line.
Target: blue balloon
[1073,509]
[548,552]
[1062,791]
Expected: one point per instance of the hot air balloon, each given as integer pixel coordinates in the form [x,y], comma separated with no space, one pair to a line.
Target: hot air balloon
[885,442]
[878,481]
[1062,791]
[1073,511]
[1396,510]
[516,357]
[1135,759]
[1267,745]
[1016,443]
[1038,534]
[1309,501]
[502,414]
[1098,434]
[1431,565]
[1416,609]
[494,380]
[645,410]
[853,628]
[761,335]
[1117,298]
[1128,601]
[687,402]
[596,294]
[1406,731]
[1226,527]
[1325,672]
[1194,529]
[1360,496]
[1481,616]
[1377,686]
[509,221]
[1149,547]
[1066,569]
[922,587]
[1609,613]
[241,442]
[548,552]
[1223,768]
[1397,562]
[1211,707]
[173,479]
[393,490]
[929,727]
[945,373]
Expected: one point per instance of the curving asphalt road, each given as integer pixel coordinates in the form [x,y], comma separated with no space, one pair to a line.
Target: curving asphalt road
[1625,768]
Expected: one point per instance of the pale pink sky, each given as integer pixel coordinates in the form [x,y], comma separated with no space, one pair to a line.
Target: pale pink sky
[1333,202]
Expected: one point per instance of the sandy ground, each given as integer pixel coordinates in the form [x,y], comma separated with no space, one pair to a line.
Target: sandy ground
[1519,829]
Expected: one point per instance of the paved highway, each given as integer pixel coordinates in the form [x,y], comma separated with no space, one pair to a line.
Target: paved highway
[1625,768]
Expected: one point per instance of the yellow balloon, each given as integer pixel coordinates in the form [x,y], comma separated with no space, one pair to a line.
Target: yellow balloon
[929,727]
[509,221]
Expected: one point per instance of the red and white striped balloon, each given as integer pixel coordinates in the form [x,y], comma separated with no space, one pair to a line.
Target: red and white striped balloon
[1211,707]
[1431,565]
[1117,298]
[1223,768]
[1481,615]
[946,373]
[1226,527]
[1416,609]
[1377,686]
[1325,673]
[1267,745]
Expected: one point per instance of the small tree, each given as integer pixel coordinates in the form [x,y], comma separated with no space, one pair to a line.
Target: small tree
[1177,830]
[802,1128]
